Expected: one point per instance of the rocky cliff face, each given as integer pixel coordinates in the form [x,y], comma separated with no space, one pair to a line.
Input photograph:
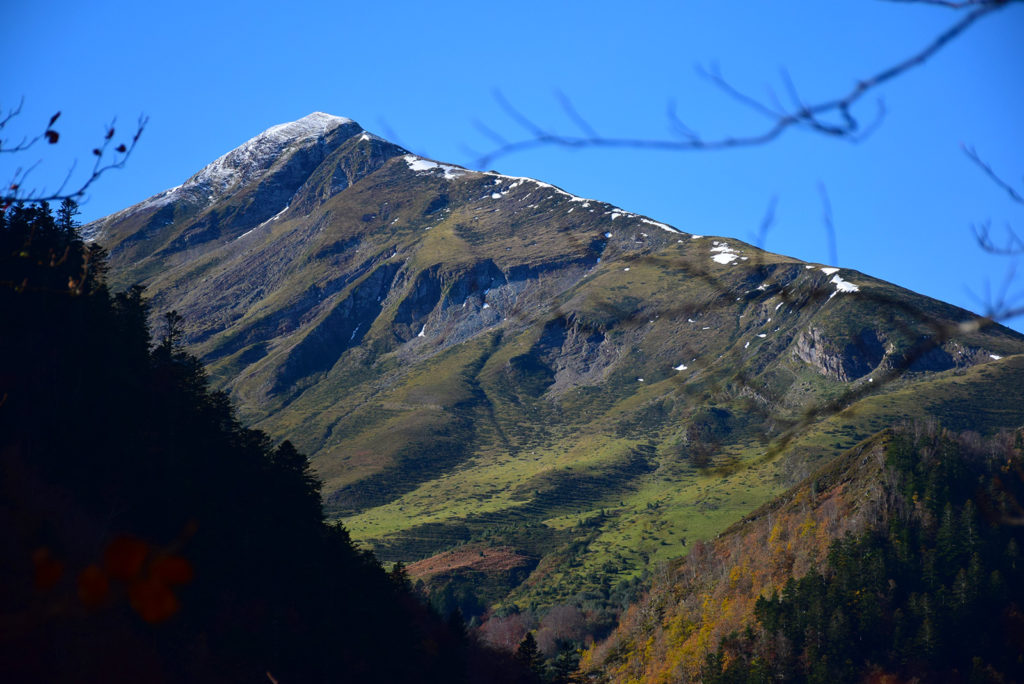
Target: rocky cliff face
[851,361]
[462,352]
[869,351]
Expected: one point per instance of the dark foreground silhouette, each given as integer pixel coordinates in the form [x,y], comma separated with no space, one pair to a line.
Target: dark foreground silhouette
[146,534]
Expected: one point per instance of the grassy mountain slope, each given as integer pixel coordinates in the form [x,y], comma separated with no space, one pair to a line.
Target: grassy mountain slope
[469,355]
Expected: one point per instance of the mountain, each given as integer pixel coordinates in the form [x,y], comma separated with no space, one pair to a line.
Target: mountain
[480,361]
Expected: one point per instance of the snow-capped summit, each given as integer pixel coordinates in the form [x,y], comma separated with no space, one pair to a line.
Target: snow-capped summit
[311,125]
[272,146]
[251,162]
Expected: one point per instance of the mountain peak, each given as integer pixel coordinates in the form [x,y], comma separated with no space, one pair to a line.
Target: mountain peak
[250,161]
[310,126]
[274,145]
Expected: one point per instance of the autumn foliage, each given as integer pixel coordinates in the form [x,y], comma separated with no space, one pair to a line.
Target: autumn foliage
[701,599]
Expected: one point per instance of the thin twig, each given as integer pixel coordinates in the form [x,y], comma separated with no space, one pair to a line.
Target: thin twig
[972,154]
[570,110]
[766,222]
[983,235]
[830,229]
[945,3]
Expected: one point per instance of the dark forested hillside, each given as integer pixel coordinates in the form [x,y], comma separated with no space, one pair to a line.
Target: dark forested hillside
[148,535]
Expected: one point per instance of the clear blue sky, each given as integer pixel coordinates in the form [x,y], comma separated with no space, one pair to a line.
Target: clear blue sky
[210,75]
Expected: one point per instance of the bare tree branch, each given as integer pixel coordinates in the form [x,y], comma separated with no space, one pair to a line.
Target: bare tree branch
[983,234]
[681,129]
[830,228]
[51,135]
[944,3]
[1003,306]
[767,221]
[6,118]
[714,75]
[810,116]
[108,155]
[972,154]
[575,116]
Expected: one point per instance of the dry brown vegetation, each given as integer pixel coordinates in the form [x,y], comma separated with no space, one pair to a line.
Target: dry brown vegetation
[471,557]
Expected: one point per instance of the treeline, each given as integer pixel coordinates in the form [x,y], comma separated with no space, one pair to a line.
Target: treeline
[147,534]
[935,594]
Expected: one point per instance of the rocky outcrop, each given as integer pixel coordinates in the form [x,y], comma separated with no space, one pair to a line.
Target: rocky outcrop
[455,301]
[341,329]
[845,362]
[421,298]
[356,158]
[928,357]
[480,278]
[868,351]
[577,352]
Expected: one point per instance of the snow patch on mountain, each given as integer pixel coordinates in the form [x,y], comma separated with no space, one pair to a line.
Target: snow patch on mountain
[723,253]
[614,212]
[663,226]
[842,286]
[421,165]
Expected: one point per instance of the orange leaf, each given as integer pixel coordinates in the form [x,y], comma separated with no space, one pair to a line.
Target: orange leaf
[172,570]
[152,600]
[124,556]
[93,586]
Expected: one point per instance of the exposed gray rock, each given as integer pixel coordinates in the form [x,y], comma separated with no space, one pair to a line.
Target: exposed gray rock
[578,353]
[846,362]
[344,327]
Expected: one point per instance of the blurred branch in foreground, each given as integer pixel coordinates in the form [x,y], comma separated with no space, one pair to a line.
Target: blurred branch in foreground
[1014,244]
[108,155]
[831,117]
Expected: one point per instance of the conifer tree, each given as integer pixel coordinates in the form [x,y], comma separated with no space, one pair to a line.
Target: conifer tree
[66,222]
[529,655]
